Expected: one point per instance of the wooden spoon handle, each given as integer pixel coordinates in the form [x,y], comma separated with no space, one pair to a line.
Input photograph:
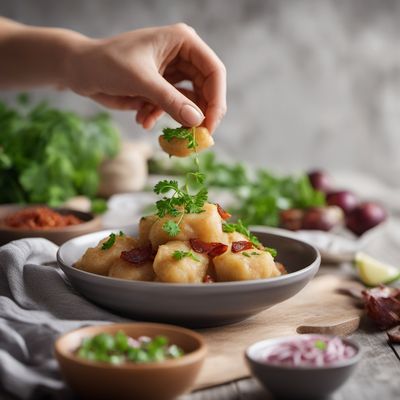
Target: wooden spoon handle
[342,328]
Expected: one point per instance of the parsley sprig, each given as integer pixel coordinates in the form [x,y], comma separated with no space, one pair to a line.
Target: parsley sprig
[111,240]
[183,134]
[179,254]
[240,227]
[180,200]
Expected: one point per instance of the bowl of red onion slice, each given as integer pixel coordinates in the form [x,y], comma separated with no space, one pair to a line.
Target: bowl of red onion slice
[303,366]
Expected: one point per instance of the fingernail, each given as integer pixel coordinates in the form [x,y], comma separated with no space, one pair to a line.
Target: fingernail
[191,116]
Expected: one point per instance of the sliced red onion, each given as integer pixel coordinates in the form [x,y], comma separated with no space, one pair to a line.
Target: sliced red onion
[312,351]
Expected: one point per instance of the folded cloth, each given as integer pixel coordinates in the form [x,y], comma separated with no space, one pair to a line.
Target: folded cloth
[37,304]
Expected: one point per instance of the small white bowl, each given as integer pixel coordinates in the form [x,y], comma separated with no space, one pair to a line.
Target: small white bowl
[299,382]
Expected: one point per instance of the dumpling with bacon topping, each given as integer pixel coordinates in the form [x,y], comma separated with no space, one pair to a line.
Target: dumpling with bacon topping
[176,262]
[181,142]
[99,259]
[243,261]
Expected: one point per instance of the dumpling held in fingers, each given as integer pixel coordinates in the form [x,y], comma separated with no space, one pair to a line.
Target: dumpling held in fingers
[176,262]
[182,142]
[99,259]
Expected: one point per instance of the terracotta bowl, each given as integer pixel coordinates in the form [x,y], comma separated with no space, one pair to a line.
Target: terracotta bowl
[91,224]
[162,381]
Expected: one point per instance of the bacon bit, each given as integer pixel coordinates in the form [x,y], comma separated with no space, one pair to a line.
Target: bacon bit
[394,334]
[212,249]
[208,279]
[281,268]
[241,245]
[138,255]
[224,214]
[383,305]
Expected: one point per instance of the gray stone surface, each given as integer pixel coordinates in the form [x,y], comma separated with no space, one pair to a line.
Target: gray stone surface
[311,83]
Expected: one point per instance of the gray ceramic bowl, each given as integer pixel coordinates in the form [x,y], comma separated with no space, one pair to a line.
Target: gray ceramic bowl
[299,382]
[196,305]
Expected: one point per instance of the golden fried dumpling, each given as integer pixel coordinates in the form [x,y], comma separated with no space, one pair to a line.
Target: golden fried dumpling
[99,261]
[179,147]
[245,265]
[187,269]
[206,226]
[136,272]
[145,225]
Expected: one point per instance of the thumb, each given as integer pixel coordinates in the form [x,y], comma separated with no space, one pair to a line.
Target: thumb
[173,102]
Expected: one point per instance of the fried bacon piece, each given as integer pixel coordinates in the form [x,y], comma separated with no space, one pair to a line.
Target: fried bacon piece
[281,268]
[394,334]
[383,306]
[212,249]
[223,214]
[139,255]
[241,245]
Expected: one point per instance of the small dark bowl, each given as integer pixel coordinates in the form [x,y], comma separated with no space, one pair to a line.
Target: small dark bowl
[91,223]
[287,382]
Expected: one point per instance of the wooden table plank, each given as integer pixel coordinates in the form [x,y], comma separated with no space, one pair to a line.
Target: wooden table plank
[376,378]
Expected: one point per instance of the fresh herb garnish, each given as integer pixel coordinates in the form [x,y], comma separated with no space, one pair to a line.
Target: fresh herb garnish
[241,228]
[246,254]
[172,228]
[271,251]
[179,254]
[259,198]
[181,133]
[119,348]
[180,201]
[111,240]
[320,344]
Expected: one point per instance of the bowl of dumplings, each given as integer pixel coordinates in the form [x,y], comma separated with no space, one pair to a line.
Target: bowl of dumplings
[209,273]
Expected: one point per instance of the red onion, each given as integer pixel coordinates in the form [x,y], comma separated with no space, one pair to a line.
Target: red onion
[312,351]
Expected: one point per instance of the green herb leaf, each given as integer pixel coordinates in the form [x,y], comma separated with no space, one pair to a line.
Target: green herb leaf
[109,243]
[246,254]
[178,255]
[182,134]
[98,206]
[271,251]
[171,227]
[241,228]
[320,344]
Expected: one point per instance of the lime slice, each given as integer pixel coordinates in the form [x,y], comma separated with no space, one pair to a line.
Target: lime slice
[373,272]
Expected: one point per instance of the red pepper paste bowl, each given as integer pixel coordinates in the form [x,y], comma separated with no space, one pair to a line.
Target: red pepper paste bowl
[42,225]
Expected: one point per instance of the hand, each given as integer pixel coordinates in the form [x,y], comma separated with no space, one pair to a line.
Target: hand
[140,70]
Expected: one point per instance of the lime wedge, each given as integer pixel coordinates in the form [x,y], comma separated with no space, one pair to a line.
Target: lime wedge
[373,272]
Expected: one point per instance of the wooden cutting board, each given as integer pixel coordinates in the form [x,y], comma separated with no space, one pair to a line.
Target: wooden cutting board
[318,308]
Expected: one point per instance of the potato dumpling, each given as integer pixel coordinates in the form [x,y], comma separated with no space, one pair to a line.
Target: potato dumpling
[186,270]
[145,225]
[99,261]
[206,226]
[137,272]
[179,147]
[239,267]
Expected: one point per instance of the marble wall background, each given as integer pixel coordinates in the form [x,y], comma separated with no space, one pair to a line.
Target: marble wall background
[312,83]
